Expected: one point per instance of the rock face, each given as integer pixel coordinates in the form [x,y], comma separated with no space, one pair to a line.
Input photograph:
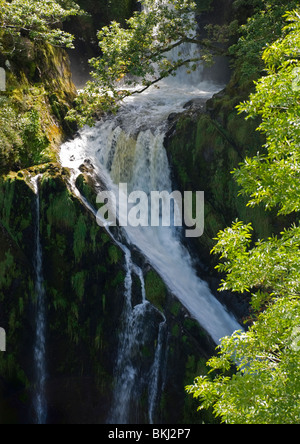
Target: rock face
[39,92]
[204,145]
[84,270]
[84,278]
[100,13]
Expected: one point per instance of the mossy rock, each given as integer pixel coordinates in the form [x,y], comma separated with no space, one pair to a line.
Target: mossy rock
[156,291]
[204,149]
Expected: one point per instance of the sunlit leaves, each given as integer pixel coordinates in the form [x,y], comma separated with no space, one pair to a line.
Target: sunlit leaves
[272,177]
[269,265]
[263,27]
[37,20]
[265,388]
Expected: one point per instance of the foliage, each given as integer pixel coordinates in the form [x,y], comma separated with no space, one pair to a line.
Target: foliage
[265,389]
[269,265]
[263,27]
[27,31]
[9,134]
[138,54]
[114,255]
[21,137]
[272,177]
[266,386]
[36,20]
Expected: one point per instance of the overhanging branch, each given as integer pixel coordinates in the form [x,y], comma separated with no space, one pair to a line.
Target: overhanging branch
[167,74]
[216,50]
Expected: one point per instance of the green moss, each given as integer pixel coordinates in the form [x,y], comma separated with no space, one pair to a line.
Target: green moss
[10,369]
[61,210]
[59,300]
[85,186]
[61,243]
[175,331]
[6,200]
[118,280]
[99,337]
[114,254]
[156,291]
[78,283]
[182,173]
[175,308]
[105,238]
[204,149]
[7,268]
[243,132]
[80,234]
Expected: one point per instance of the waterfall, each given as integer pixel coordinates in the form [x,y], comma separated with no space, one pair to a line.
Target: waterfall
[39,402]
[128,148]
[133,337]
[157,372]
[121,152]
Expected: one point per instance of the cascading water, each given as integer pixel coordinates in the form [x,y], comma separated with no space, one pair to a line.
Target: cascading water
[156,373]
[131,338]
[39,402]
[139,159]
[134,336]
[128,148]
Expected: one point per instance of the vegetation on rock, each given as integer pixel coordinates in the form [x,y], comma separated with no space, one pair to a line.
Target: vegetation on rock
[255,377]
[38,89]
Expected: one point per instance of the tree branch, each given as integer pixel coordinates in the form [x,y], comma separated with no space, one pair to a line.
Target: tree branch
[169,72]
[204,43]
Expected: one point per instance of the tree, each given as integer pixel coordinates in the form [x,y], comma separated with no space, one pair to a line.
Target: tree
[36,20]
[265,388]
[264,26]
[138,54]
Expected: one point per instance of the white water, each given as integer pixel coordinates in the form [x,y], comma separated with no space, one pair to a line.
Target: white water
[39,402]
[127,372]
[133,336]
[155,385]
[128,148]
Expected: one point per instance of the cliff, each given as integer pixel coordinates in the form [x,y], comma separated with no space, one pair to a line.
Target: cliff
[84,270]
